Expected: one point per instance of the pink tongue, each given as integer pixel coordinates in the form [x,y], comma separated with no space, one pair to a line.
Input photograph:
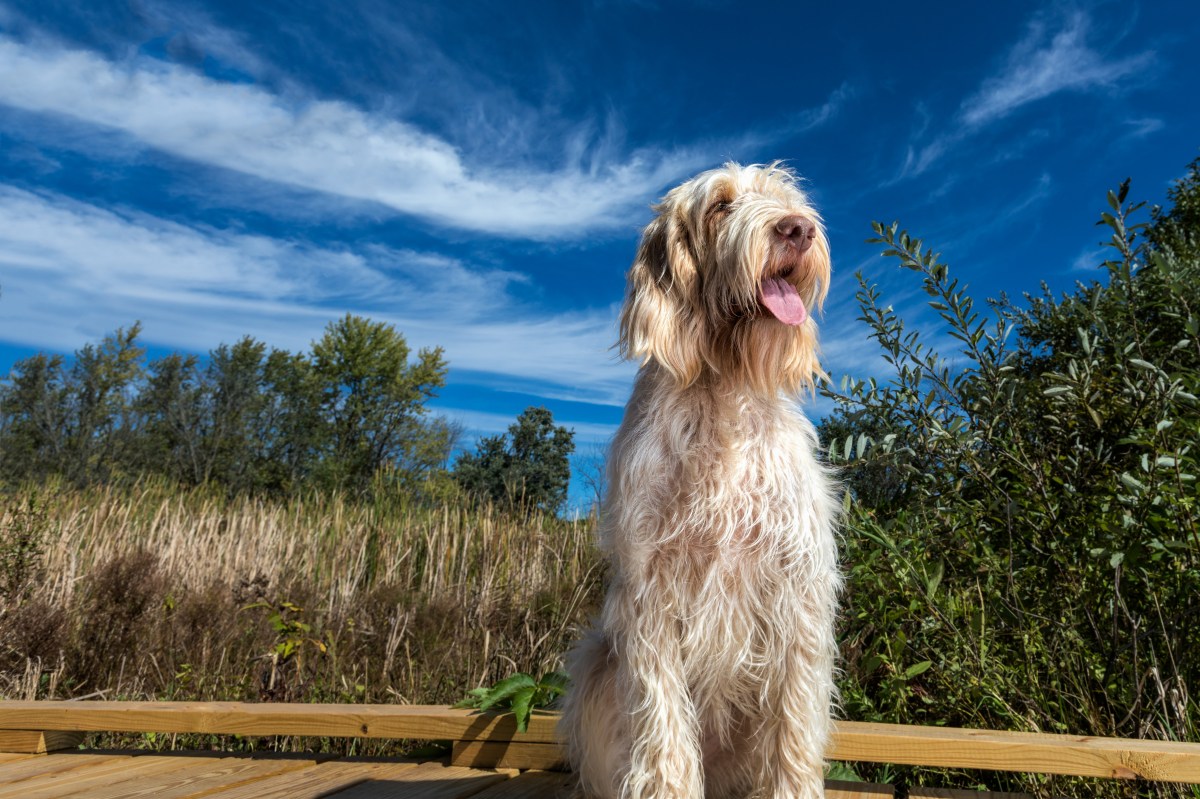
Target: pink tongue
[780,298]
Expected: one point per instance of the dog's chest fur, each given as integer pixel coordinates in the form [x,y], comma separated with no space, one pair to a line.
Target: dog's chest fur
[724,525]
[701,469]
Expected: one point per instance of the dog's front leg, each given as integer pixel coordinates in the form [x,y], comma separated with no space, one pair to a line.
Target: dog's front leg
[793,742]
[664,749]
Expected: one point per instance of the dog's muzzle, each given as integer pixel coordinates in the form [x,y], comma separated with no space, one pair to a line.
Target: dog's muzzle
[797,232]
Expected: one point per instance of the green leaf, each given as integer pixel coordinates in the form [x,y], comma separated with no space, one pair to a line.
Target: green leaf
[522,702]
[554,683]
[842,772]
[506,688]
[1132,482]
[473,698]
[917,668]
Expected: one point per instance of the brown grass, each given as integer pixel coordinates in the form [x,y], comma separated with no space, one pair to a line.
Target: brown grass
[159,593]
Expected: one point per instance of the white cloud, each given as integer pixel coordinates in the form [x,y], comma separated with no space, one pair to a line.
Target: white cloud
[1042,64]
[333,147]
[1037,68]
[72,272]
[1143,127]
[1091,259]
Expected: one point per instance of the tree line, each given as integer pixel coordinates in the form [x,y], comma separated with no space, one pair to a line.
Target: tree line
[350,415]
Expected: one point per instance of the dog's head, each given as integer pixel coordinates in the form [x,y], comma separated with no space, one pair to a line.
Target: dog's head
[726,279]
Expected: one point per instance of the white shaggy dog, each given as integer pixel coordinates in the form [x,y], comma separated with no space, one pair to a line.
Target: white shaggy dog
[711,671]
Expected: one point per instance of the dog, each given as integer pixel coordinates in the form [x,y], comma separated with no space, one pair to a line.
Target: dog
[710,670]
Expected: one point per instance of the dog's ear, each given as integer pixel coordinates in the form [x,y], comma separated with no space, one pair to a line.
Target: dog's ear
[658,320]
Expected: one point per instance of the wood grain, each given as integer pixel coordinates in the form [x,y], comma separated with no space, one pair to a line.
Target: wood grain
[962,793]
[431,722]
[877,743]
[532,785]
[429,781]
[840,789]
[312,783]
[1017,751]
[38,742]
[507,754]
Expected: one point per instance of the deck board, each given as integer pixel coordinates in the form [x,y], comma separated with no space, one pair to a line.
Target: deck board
[428,781]
[197,779]
[224,775]
[84,781]
[313,782]
[841,789]
[28,766]
[531,785]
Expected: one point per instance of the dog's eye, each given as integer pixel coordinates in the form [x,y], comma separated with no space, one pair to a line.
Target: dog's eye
[719,207]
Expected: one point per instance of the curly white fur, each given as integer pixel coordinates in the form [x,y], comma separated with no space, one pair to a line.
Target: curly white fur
[710,672]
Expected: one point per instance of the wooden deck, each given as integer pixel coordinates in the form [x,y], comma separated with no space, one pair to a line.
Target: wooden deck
[39,757]
[213,775]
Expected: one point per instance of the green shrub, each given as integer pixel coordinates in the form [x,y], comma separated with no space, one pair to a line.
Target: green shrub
[1022,537]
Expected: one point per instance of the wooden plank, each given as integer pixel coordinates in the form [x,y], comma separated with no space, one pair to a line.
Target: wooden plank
[508,754]
[38,742]
[428,781]
[432,722]
[86,781]
[12,757]
[879,743]
[197,779]
[951,747]
[963,793]
[13,772]
[324,779]
[842,789]
[531,785]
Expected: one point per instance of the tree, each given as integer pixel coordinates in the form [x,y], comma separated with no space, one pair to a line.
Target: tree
[374,400]
[339,418]
[33,413]
[592,471]
[529,468]
[169,418]
[1178,229]
[233,402]
[99,394]
[291,425]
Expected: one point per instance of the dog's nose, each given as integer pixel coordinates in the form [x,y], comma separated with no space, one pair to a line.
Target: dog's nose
[797,231]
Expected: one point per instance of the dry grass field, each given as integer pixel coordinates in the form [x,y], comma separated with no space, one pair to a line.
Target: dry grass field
[152,592]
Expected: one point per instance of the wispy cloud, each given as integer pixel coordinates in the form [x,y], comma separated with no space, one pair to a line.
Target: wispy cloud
[72,272]
[1143,127]
[1045,63]
[334,147]
[1048,60]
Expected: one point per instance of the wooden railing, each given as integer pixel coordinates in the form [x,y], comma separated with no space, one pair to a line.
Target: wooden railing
[490,740]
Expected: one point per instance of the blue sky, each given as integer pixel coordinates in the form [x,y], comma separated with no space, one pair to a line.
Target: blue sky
[477,173]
